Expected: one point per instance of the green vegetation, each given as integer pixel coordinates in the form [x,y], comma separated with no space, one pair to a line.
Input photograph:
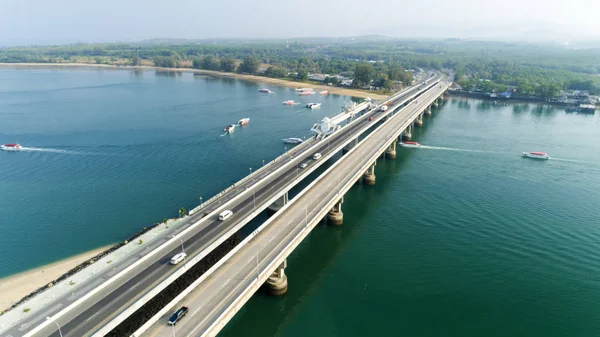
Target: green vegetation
[540,70]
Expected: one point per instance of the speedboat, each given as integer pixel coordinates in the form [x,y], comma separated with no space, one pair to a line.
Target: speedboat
[290,102]
[410,144]
[304,89]
[229,128]
[313,105]
[292,140]
[266,91]
[536,155]
[11,147]
[306,93]
[324,92]
[244,121]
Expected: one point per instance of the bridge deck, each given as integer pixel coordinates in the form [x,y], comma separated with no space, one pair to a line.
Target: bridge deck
[220,296]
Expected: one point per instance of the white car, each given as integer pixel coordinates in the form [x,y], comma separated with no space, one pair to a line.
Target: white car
[303,165]
[178,258]
[316,156]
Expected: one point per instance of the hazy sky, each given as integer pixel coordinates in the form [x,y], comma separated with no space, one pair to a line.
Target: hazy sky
[67,21]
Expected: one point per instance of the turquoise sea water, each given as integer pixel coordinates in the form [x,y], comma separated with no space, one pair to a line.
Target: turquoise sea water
[460,238]
[111,151]
[465,238]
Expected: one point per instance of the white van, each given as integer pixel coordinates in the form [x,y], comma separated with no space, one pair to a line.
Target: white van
[316,156]
[178,258]
[225,214]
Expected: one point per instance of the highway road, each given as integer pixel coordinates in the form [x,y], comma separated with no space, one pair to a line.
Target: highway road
[109,302]
[219,292]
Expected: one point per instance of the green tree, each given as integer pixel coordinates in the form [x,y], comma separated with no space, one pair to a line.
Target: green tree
[135,60]
[249,65]
[197,63]
[211,63]
[302,75]
[227,64]
[363,74]
[277,72]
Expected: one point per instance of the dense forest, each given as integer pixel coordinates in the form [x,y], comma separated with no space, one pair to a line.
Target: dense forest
[541,70]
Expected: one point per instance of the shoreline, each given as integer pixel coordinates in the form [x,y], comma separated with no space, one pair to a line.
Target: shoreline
[253,78]
[15,287]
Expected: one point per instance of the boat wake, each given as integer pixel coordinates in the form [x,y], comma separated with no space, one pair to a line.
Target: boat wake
[575,161]
[41,149]
[450,149]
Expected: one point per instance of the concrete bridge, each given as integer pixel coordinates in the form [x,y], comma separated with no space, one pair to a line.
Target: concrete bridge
[115,297]
[260,260]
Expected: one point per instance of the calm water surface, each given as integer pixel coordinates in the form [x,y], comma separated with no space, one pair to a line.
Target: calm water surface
[460,238]
[111,151]
[464,238]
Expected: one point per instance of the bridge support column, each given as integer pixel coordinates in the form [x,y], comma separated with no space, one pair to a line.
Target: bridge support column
[277,283]
[419,120]
[369,176]
[407,134]
[276,206]
[390,152]
[427,111]
[335,217]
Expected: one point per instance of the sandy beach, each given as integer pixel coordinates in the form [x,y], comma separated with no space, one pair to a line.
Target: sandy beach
[260,79]
[15,287]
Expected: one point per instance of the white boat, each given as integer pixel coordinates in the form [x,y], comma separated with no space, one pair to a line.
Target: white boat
[11,147]
[292,140]
[244,121]
[290,102]
[536,155]
[410,144]
[304,89]
[306,93]
[313,105]
[324,92]
[229,128]
[266,91]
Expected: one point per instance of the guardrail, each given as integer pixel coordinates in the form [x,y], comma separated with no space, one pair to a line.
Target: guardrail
[266,272]
[277,196]
[174,241]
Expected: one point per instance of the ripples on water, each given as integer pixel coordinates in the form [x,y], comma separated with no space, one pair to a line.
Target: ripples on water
[462,237]
[107,153]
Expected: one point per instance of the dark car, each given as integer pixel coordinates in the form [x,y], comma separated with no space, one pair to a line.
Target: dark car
[177,315]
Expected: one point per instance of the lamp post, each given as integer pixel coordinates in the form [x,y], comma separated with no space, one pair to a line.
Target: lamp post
[263,162]
[200,201]
[180,240]
[55,322]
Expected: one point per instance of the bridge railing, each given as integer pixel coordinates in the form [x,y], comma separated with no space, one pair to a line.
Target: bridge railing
[316,214]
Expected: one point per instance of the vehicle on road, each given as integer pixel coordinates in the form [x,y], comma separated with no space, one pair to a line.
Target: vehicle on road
[178,258]
[177,315]
[225,215]
[383,108]
[370,118]
[303,165]
[316,156]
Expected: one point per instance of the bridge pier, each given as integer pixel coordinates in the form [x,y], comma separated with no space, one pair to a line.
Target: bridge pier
[369,176]
[277,283]
[419,120]
[350,145]
[407,134]
[427,111]
[276,206]
[335,217]
[390,152]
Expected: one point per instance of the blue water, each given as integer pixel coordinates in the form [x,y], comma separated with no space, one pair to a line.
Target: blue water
[111,151]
